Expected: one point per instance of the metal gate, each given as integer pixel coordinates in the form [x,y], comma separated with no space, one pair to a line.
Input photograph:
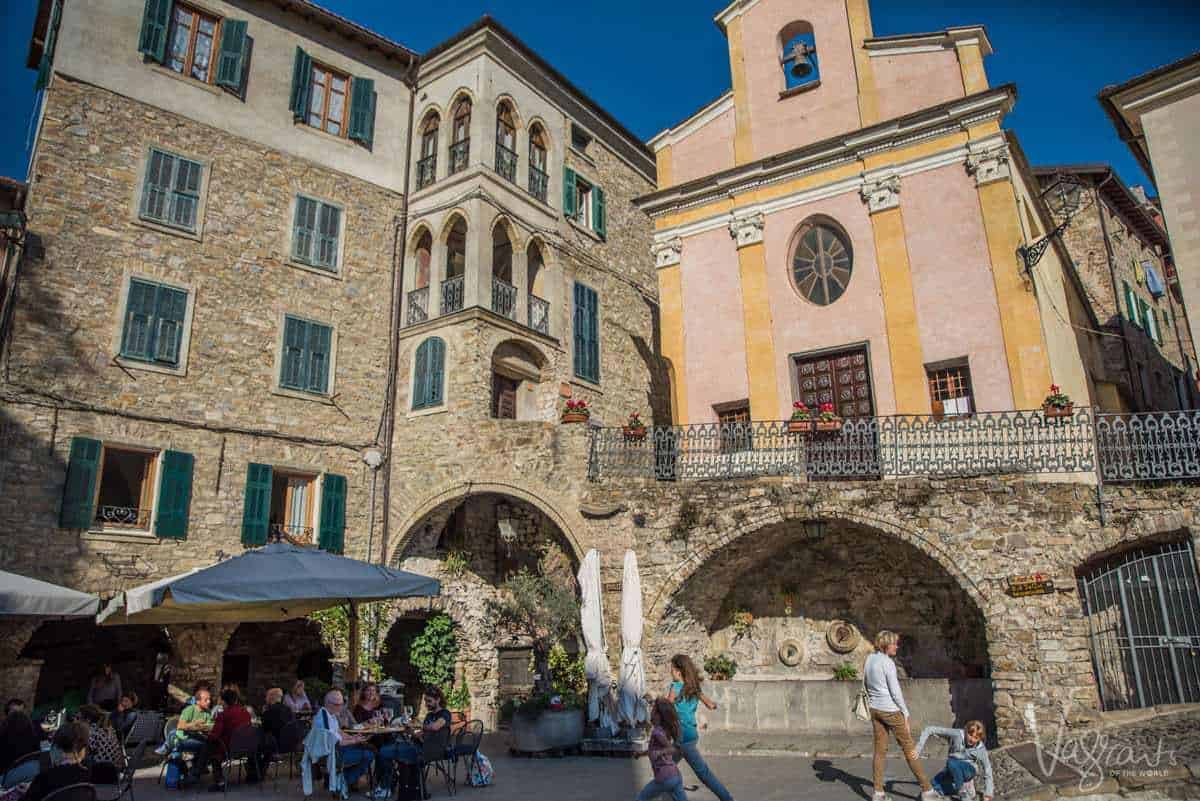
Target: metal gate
[1143,612]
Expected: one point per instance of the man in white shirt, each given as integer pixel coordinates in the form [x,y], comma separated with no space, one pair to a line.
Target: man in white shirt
[353,755]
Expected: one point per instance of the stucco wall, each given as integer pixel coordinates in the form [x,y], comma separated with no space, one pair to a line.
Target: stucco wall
[706,150]
[914,81]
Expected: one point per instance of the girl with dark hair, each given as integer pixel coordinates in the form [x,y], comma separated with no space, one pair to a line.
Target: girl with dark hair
[663,752]
[71,739]
[686,695]
[18,737]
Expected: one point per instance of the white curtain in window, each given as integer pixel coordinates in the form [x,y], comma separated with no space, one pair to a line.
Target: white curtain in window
[298,509]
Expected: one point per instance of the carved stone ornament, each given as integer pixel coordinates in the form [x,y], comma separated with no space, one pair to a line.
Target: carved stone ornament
[791,653]
[842,637]
[747,230]
[988,164]
[881,194]
[668,252]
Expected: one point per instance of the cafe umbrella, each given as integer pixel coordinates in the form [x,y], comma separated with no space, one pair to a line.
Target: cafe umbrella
[277,582]
[24,597]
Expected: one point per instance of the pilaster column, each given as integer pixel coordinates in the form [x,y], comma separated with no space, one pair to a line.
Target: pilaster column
[437,274]
[881,193]
[520,278]
[747,233]
[668,255]
[477,283]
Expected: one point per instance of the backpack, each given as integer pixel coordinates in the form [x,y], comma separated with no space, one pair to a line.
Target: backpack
[481,773]
[408,782]
[174,774]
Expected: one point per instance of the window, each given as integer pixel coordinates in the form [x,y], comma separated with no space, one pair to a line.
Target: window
[327,100]
[1150,320]
[155,320]
[580,138]
[799,56]
[506,142]
[332,101]
[584,202]
[315,233]
[285,504]
[171,191]
[1131,304]
[842,378]
[306,357]
[735,427]
[539,177]
[822,262]
[112,487]
[429,374]
[950,391]
[504,397]
[460,139]
[191,43]
[587,334]
[293,508]
[427,165]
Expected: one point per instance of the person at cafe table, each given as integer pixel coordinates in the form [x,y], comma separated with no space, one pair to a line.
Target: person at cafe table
[232,717]
[353,754]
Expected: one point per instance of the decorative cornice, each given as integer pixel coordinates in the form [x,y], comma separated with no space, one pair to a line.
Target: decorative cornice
[988,162]
[668,252]
[732,12]
[948,39]
[747,230]
[703,117]
[882,193]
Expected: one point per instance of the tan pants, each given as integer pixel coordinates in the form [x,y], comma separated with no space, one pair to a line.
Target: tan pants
[895,724]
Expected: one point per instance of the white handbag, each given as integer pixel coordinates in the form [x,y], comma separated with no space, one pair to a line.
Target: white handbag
[859,705]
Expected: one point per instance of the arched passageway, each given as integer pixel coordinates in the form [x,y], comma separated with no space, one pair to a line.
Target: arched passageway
[72,651]
[260,656]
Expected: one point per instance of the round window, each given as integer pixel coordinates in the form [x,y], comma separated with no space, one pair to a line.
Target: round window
[822,263]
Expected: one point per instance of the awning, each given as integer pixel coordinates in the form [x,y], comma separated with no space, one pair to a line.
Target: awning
[21,596]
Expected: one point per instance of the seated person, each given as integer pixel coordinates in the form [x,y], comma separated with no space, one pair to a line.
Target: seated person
[103,745]
[297,699]
[369,710]
[191,734]
[968,758]
[276,715]
[18,737]
[232,717]
[71,740]
[437,717]
[125,714]
[354,757]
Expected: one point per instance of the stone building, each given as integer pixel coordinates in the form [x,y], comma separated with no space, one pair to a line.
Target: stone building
[1122,257]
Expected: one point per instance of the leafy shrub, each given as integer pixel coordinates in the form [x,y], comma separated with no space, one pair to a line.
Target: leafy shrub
[720,667]
[845,672]
[434,652]
[458,697]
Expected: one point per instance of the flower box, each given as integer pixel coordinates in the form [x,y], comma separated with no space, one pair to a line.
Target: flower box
[1054,412]
[829,426]
[799,426]
[574,417]
[634,434]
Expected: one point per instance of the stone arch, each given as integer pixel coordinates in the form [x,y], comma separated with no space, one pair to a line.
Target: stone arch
[453,216]
[421,228]
[520,390]
[536,122]
[514,233]
[538,266]
[430,110]
[420,250]
[515,110]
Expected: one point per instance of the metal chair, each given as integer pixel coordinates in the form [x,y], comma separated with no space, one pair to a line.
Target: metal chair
[73,792]
[244,745]
[124,784]
[12,774]
[436,754]
[466,747]
[147,728]
[168,730]
[290,744]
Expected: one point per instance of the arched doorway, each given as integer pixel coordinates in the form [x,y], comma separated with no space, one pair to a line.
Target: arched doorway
[260,656]
[516,380]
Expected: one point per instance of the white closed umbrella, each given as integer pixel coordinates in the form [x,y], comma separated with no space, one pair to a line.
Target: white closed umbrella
[631,684]
[600,703]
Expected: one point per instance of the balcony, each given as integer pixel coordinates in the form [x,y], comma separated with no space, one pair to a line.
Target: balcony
[504,298]
[539,184]
[1112,447]
[426,171]
[418,305]
[506,163]
[460,154]
[539,315]
[452,295]
[296,535]
[130,517]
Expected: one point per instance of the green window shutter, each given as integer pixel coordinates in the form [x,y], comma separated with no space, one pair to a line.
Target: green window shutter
[185,194]
[568,192]
[579,328]
[333,513]
[301,85]
[421,376]
[304,229]
[174,495]
[599,213]
[156,192]
[362,110]
[293,372]
[329,220]
[47,62]
[1130,305]
[437,371]
[137,337]
[170,310]
[256,514]
[320,338]
[231,61]
[153,41]
[79,493]
[594,335]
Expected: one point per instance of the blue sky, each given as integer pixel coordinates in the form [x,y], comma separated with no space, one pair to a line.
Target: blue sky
[652,64]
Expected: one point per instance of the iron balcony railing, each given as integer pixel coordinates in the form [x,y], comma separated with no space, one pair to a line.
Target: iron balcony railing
[418,305]
[539,315]
[292,533]
[452,295]
[122,517]
[1154,446]
[506,163]
[426,171]
[504,298]
[460,154]
[539,183]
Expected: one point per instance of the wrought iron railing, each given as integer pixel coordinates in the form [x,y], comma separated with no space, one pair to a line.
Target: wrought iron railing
[539,184]
[539,314]
[418,305]
[122,517]
[452,295]
[504,298]
[426,171]
[1151,446]
[460,154]
[506,162]
[295,534]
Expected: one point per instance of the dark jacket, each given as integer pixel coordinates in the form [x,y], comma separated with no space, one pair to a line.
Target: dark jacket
[16,741]
[275,717]
[56,778]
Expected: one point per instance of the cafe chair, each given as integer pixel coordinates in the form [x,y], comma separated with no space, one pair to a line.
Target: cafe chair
[466,747]
[289,747]
[244,745]
[19,770]
[147,728]
[168,730]
[124,784]
[436,755]
[73,792]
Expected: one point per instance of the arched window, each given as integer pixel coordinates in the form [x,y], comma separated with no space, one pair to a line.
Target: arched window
[456,267]
[822,261]
[427,166]
[460,140]
[418,298]
[429,374]
[539,173]
[506,142]
[424,256]
[504,294]
[798,56]
[539,307]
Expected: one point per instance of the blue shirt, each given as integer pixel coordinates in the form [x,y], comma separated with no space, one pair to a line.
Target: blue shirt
[686,709]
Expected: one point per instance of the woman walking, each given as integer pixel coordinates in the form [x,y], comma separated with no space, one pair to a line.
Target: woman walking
[889,714]
[686,695]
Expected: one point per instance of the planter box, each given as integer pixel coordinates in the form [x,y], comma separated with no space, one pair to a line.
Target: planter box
[634,434]
[829,426]
[548,731]
[574,417]
[1053,412]
[799,426]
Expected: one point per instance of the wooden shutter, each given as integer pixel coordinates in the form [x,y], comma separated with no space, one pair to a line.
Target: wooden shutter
[504,397]
[185,193]
[421,376]
[328,223]
[174,495]
[301,85]
[362,110]
[568,192]
[320,338]
[170,310]
[231,61]
[153,40]
[578,328]
[294,370]
[587,334]
[1130,304]
[79,492]
[593,321]
[256,512]
[47,62]
[333,513]
[304,229]
[437,371]
[137,338]
[156,191]
[599,213]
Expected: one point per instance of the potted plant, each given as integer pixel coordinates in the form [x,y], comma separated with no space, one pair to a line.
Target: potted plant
[577,411]
[534,609]
[742,621]
[1057,404]
[635,429]
[720,667]
[458,701]
[801,422]
[828,419]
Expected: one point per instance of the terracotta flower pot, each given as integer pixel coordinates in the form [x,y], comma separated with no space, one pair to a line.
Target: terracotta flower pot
[574,417]
[829,425]
[799,426]
[1052,412]
[635,434]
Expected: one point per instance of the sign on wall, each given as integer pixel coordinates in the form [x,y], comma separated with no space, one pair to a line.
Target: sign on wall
[1025,586]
